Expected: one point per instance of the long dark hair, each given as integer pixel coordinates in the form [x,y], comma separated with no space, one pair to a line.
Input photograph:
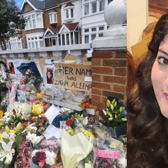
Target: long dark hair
[147,128]
[49,80]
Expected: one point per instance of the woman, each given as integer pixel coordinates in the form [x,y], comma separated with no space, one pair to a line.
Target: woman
[148,105]
[50,76]
[11,66]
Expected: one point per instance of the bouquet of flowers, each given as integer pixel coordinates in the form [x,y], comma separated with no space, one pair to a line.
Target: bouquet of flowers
[32,91]
[113,113]
[10,141]
[29,77]
[23,156]
[86,103]
[43,158]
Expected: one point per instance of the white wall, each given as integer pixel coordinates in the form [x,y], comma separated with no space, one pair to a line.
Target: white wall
[92,19]
[77,12]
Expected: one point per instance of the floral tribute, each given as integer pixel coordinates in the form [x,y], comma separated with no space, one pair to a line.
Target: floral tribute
[23,156]
[23,145]
[114,113]
[22,133]
[43,158]
[86,103]
[29,78]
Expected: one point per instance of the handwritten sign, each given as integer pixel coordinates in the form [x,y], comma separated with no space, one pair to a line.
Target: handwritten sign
[75,76]
[107,154]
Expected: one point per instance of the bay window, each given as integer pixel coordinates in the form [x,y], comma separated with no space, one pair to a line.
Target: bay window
[35,41]
[33,21]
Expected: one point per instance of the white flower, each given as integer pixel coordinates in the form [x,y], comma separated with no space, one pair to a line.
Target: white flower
[5,135]
[122,162]
[20,107]
[50,159]
[30,128]
[33,92]
[33,138]
[7,120]
[85,121]
[34,152]
[12,137]
[7,152]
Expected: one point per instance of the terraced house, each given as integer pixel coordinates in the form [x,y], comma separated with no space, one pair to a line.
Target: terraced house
[59,22]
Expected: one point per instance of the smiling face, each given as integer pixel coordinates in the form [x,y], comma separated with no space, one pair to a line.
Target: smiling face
[159,77]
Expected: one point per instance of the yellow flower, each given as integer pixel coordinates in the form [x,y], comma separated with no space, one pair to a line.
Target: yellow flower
[37,108]
[124,119]
[108,103]
[71,131]
[115,144]
[1,114]
[0,135]
[7,129]
[12,131]
[81,129]
[88,134]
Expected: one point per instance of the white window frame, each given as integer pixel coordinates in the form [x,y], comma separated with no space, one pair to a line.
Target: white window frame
[101,26]
[92,35]
[53,17]
[34,41]
[88,38]
[87,4]
[70,17]
[14,43]
[92,6]
[100,6]
[94,28]
[33,22]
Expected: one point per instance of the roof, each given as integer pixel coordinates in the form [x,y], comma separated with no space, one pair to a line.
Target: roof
[37,4]
[51,3]
[71,26]
[45,4]
[54,30]
[69,4]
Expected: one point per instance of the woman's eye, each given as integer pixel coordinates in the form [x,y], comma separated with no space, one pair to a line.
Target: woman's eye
[163,60]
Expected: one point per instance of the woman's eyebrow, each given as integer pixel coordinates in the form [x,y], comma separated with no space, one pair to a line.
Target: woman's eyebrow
[164,52]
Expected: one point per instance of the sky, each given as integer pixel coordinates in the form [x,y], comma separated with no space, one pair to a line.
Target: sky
[18,3]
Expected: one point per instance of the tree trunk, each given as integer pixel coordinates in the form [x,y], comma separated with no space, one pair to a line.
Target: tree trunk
[1,44]
[4,39]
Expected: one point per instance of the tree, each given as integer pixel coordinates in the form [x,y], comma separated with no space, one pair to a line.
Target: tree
[10,20]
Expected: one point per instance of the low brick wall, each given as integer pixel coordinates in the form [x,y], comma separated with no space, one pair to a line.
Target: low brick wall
[109,77]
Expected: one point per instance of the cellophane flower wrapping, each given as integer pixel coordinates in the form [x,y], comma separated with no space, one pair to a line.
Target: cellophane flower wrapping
[74,148]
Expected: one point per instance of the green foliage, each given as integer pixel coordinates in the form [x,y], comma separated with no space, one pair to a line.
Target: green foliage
[18,141]
[10,20]
[114,113]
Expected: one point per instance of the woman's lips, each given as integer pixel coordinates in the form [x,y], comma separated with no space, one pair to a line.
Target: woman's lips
[166,96]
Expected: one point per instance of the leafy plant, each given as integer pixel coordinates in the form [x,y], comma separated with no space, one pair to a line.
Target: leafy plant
[114,113]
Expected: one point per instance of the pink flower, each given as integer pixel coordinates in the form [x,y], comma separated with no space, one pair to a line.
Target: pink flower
[31,100]
[41,163]
[23,89]
[26,117]
[41,124]
[52,166]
